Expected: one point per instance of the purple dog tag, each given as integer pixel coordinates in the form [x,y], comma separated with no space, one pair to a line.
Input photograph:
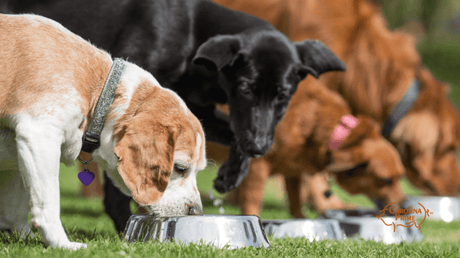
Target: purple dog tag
[86,177]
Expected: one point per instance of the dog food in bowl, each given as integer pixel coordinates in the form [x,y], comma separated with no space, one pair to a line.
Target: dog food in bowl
[319,229]
[233,231]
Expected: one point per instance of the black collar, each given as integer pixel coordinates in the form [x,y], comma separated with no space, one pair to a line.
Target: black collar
[401,109]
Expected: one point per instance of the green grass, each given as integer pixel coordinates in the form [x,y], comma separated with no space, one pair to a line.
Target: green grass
[85,221]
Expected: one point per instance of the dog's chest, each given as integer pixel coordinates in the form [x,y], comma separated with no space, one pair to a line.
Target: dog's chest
[63,125]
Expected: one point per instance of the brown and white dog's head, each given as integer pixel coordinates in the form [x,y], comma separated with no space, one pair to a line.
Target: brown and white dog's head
[159,147]
[367,163]
[428,139]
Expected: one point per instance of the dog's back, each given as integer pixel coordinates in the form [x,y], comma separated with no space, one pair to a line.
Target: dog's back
[30,46]
[304,132]
[176,28]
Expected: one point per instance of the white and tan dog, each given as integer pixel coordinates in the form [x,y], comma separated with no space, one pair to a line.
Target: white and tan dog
[152,146]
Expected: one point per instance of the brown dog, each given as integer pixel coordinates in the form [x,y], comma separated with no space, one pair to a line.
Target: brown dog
[364,162]
[316,187]
[381,66]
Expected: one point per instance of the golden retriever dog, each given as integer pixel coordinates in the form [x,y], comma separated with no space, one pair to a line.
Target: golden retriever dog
[381,67]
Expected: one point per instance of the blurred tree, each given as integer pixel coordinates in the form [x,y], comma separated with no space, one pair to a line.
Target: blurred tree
[399,12]
[428,15]
[431,13]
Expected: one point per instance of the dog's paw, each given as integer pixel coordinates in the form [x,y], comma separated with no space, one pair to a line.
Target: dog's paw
[70,246]
[222,186]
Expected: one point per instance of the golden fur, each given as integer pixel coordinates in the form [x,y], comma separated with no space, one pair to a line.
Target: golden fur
[380,67]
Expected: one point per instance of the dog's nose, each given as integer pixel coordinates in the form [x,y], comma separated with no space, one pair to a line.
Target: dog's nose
[258,149]
[193,210]
[402,203]
[379,203]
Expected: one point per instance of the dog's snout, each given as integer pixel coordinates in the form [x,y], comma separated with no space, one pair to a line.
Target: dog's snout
[194,210]
[259,146]
[380,204]
[403,201]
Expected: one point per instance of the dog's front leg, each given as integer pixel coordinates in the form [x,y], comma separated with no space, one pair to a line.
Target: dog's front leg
[39,150]
[233,171]
[116,204]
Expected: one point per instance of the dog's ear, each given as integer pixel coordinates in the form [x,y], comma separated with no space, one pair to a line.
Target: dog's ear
[145,159]
[350,153]
[218,52]
[317,58]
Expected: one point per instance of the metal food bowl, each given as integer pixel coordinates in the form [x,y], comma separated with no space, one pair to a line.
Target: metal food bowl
[319,229]
[363,224]
[233,231]
[359,212]
[440,207]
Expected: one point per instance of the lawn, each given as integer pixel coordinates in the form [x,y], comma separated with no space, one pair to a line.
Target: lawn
[85,220]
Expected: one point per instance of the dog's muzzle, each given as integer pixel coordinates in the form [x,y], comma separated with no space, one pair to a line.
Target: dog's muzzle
[193,210]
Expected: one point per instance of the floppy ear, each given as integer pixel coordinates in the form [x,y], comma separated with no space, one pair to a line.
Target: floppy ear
[145,161]
[350,152]
[317,58]
[218,52]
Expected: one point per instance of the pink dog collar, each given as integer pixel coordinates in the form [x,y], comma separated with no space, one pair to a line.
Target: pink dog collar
[342,130]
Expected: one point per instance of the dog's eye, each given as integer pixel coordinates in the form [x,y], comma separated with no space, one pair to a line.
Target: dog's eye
[180,168]
[448,150]
[352,171]
[244,88]
[282,96]
[302,74]
[387,181]
[429,186]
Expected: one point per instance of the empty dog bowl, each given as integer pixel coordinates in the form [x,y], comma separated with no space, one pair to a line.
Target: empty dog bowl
[375,229]
[363,223]
[234,231]
[319,229]
[441,208]
[340,214]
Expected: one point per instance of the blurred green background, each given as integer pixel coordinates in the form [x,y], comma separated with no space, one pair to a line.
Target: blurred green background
[436,25]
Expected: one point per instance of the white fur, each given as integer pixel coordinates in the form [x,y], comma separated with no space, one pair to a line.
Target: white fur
[35,144]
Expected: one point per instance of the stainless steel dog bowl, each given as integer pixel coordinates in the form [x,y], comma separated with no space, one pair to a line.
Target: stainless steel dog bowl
[234,231]
[374,229]
[363,224]
[440,208]
[319,229]
[359,212]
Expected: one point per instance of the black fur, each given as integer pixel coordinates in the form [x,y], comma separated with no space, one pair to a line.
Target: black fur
[208,54]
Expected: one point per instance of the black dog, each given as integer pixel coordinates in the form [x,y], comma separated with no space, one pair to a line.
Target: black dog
[208,54]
